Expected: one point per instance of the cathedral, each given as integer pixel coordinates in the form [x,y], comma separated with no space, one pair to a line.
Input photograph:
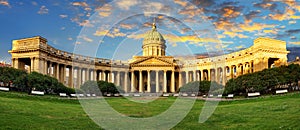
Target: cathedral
[152,72]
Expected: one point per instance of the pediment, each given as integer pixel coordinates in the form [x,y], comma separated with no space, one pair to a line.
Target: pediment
[152,61]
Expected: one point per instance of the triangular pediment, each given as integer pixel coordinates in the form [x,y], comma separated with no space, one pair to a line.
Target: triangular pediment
[152,61]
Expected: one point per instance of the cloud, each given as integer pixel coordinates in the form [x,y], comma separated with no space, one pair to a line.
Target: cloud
[191,11]
[152,6]
[288,14]
[104,11]
[234,34]
[230,12]
[274,31]
[252,14]
[4,3]
[240,47]
[127,26]
[86,23]
[85,38]
[114,33]
[173,39]
[292,22]
[292,4]
[63,16]
[63,28]
[34,3]
[136,36]
[191,39]
[266,4]
[126,4]
[182,3]
[255,26]
[224,25]
[43,10]
[83,4]
[292,31]
[295,43]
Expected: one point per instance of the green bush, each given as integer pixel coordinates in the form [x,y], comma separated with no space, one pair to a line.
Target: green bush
[265,81]
[201,87]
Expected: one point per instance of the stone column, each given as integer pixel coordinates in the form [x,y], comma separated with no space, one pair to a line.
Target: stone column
[237,71]
[202,75]
[132,81]
[70,82]
[250,67]
[148,81]
[172,89]
[165,81]
[195,75]
[140,81]
[64,73]
[37,67]
[45,67]
[104,75]
[57,72]
[231,72]
[79,81]
[187,77]
[159,51]
[118,78]
[179,79]
[156,81]
[15,63]
[94,75]
[208,75]
[224,75]
[87,75]
[31,64]
[125,81]
[110,77]
[50,69]
[217,74]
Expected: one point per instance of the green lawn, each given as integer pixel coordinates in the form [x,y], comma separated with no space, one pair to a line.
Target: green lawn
[21,111]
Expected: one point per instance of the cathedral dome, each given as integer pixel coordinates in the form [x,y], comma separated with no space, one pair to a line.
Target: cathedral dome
[153,37]
[154,43]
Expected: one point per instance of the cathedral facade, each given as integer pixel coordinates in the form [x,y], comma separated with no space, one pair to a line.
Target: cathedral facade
[152,72]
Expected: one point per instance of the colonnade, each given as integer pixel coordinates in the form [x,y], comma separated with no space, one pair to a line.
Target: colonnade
[134,80]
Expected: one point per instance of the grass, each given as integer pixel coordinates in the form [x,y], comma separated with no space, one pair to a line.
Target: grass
[22,111]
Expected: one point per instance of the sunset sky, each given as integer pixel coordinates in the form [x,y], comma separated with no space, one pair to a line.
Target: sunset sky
[198,24]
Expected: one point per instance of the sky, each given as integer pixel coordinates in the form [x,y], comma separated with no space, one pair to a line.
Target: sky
[115,29]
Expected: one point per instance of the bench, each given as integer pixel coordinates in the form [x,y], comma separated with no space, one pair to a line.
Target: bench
[210,95]
[37,92]
[184,95]
[73,95]
[126,95]
[136,95]
[281,91]
[116,95]
[176,95]
[230,96]
[80,95]
[4,89]
[108,95]
[88,95]
[219,96]
[93,95]
[253,94]
[166,95]
[62,94]
[193,95]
